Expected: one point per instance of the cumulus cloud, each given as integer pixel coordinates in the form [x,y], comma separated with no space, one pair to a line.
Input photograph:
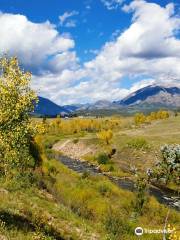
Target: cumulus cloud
[64,60]
[88,92]
[149,47]
[56,85]
[148,50]
[152,33]
[32,42]
[41,49]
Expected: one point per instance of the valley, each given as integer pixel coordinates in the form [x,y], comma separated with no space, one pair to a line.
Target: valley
[87,194]
[85,177]
[137,150]
[90,120]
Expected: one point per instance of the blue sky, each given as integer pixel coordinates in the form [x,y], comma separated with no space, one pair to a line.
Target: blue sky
[94,26]
[93,49]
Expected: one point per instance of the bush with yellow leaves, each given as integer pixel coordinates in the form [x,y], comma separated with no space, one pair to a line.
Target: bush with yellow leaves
[17,100]
[140,118]
[78,125]
[105,135]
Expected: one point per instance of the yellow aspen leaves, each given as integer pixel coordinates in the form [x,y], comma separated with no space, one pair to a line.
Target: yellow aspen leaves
[105,135]
[17,101]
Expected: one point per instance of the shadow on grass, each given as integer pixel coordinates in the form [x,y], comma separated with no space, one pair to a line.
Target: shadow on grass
[23,224]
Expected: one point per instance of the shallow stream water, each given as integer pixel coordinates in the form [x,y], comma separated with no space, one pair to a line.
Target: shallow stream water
[163,196]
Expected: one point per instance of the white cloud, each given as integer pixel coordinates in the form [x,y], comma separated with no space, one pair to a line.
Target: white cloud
[42,49]
[92,51]
[58,86]
[141,84]
[65,21]
[112,4]
[87,91]
[71,24]
[152,33]
[148,49]
[65,60]
[32,42]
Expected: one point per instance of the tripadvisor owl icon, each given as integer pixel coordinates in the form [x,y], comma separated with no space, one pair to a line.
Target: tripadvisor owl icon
[139,231]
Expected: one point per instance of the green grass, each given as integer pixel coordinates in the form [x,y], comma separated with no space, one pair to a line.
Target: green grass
[138,144]
[93,197]
[154,136]
[106,206]
[62,204]
[137,147]
[35,214]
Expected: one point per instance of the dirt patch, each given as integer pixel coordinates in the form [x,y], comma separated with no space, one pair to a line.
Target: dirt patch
[75,150]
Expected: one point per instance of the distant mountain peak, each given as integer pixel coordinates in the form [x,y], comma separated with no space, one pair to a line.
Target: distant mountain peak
[167,96]
[152,95]
[46,107]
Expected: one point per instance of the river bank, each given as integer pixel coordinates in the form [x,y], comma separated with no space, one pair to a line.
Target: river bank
[163,196]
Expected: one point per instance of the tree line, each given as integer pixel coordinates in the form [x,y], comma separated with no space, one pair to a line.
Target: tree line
[141,118]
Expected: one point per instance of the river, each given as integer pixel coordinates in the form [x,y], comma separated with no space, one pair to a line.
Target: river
[163,196]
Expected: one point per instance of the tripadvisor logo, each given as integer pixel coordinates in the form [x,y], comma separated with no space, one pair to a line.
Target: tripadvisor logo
[139,231]
[170,230]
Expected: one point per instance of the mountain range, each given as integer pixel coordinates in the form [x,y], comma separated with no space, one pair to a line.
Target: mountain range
[147,98]
[45,107]
[167,96]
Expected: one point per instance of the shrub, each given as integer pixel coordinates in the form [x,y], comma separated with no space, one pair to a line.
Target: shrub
[140,118]
[16,130]
[79,203]
[23,180]
[104,189]
[105,135]
[112,152]
[111,168]
[115,224]
[138,143]
[102,158]
[175,113]
[76,140]
[169,167]
[85,175]
[141,186]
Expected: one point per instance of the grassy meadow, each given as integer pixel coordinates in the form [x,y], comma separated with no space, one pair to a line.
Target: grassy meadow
[136,146]
[59,203]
